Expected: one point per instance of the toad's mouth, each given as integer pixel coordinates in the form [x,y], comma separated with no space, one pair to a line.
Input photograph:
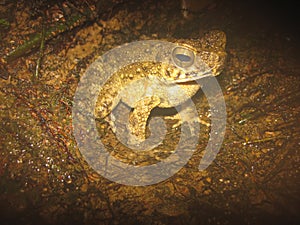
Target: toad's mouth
[183,77]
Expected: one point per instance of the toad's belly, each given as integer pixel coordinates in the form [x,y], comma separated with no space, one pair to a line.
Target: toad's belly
[170,95]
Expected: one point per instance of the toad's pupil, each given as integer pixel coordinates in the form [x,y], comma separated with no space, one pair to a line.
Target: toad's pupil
[183,58]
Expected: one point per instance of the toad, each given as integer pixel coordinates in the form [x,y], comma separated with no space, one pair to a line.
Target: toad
[158,83]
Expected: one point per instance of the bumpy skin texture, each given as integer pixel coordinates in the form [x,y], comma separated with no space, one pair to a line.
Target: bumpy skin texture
[146,85]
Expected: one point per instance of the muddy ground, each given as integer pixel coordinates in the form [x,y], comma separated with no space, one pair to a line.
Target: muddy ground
[44,177]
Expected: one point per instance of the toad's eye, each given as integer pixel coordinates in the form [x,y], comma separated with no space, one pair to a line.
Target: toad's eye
[183,57]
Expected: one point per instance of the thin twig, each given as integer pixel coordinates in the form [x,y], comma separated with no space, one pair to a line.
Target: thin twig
[41,54]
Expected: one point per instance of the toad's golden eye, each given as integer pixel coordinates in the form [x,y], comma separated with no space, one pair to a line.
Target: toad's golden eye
[183,57]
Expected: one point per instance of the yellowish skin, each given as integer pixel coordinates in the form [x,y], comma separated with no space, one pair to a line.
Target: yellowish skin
[191,60]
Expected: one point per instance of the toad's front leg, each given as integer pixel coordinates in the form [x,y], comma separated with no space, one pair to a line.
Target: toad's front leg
[139,117]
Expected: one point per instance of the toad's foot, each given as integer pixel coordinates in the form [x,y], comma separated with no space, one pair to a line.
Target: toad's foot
[138,118]
[189,115]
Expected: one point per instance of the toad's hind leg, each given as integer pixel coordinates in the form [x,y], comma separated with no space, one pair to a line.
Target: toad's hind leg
[141,112]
